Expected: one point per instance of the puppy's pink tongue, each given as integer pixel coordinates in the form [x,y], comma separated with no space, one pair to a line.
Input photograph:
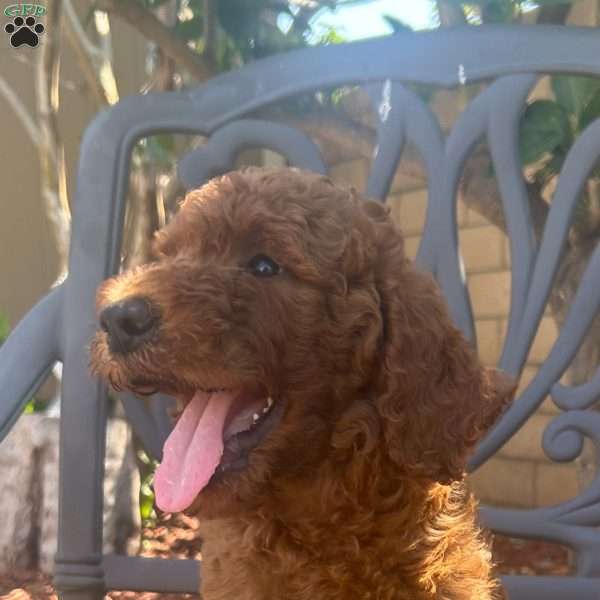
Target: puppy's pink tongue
[192,451]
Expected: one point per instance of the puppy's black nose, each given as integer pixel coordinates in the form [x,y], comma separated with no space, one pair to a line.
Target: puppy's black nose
[128,323]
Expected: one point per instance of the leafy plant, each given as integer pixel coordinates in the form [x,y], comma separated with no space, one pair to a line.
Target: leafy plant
[35,405]
[147,468]
[549,127]
[545,129]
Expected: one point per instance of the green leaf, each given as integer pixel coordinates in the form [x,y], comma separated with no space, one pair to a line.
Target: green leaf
[591,111]
[544,127]
[330,36]
[161,149]
[191,29]
[147,507]
[574,93]
[35,405]
[147,499]
[499,11]
[4,328]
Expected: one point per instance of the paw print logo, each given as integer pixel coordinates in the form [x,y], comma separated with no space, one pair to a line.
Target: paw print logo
[24,31]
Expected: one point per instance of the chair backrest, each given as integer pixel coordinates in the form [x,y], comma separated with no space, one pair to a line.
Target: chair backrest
[223,110]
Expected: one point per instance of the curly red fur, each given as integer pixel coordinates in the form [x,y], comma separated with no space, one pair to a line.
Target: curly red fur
[359,492]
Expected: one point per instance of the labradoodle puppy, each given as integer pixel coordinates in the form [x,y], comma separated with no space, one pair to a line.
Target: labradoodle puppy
[327,404]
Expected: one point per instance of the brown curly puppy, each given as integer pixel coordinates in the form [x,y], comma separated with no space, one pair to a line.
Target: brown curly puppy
[327,402]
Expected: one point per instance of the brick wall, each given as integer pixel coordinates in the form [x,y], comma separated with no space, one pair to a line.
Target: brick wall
[520,474]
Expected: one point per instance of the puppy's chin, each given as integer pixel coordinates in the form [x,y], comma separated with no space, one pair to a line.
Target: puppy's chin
[234,494]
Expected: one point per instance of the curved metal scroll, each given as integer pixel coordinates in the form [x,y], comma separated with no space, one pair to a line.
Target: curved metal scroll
[227,143]
[580,160]
[28,355]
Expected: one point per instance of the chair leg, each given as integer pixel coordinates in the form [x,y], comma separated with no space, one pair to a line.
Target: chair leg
[78,562]
[79,579]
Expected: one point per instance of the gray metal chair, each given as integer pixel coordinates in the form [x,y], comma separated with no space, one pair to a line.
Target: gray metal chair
[61,325]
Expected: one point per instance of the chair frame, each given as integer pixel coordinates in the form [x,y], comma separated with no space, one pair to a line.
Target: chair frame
[61,325]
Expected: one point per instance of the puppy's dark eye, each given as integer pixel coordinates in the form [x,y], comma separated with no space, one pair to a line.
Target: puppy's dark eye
[263,266]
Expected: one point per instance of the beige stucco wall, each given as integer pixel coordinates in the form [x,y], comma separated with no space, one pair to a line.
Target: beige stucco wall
[28,261]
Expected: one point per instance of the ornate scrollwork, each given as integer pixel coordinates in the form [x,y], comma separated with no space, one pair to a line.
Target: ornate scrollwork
[219,155]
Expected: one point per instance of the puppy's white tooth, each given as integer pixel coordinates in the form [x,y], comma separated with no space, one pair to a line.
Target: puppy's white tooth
[255,417]
[269,401]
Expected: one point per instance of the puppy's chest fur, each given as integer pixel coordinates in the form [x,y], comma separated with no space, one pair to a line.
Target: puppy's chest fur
[355,555]
[290,561]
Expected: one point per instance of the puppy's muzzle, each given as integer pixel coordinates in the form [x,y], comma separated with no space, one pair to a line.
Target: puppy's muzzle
[129,324]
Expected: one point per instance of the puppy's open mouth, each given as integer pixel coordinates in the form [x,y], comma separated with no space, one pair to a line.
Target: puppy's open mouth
[215,431]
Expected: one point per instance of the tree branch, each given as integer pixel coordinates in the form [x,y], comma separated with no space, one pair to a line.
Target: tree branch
[150,27]
[553,14]
[86,53]
[87,68]
[18,107]
[209,18]
[105,69]
[450,13]
[88,46]
[50,148]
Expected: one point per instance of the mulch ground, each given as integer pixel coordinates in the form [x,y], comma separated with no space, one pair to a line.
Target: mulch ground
[177,538]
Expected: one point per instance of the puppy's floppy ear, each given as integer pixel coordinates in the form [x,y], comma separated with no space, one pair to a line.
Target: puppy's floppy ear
[434,398]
